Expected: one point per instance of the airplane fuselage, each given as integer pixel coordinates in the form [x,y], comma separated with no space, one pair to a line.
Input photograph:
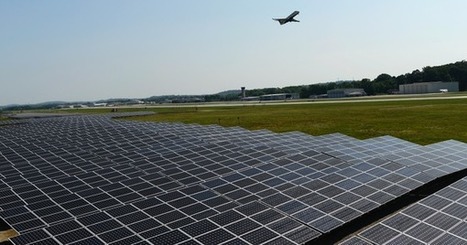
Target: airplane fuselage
[289,18]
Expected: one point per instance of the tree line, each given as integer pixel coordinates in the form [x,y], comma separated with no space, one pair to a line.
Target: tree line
[382,84]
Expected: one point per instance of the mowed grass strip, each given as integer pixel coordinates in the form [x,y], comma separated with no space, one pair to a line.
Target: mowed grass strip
[423,122]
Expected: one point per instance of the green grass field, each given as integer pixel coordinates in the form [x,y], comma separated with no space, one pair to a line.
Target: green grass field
[420,121]
[423,122]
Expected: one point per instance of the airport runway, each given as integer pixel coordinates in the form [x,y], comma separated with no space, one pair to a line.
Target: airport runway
[384,98]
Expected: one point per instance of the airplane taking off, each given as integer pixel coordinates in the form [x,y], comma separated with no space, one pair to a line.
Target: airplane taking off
[289,18]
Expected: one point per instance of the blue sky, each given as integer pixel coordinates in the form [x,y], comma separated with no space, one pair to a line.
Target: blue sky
[91,50]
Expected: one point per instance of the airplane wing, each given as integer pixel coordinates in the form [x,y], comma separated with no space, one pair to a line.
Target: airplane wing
[281,21]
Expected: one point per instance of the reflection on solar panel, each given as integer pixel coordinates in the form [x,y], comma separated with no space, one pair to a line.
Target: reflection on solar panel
[90,179]
[437,219]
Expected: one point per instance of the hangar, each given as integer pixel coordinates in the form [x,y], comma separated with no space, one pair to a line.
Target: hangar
[282,96]
[348,92]
[428,87]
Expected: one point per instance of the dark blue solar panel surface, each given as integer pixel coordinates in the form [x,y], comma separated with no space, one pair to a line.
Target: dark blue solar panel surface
[437,219]
[96,179]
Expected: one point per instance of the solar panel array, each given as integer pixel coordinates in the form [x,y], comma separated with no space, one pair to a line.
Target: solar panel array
[440,218]
[91,179]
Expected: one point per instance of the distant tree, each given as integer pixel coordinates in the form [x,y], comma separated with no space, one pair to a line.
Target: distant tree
[347,84]
[212,97]
[384,83]
[367,85]
[401,79]
[430,74]
[415,77]
[458,72]
[292,89]
[305,92]
[383,77]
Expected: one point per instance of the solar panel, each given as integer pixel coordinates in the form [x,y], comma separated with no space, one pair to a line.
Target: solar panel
[436,219]
[95,179]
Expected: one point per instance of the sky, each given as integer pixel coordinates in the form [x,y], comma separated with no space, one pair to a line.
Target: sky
[87,50]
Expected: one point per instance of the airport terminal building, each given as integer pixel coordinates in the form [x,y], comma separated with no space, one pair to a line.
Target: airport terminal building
[429,87]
